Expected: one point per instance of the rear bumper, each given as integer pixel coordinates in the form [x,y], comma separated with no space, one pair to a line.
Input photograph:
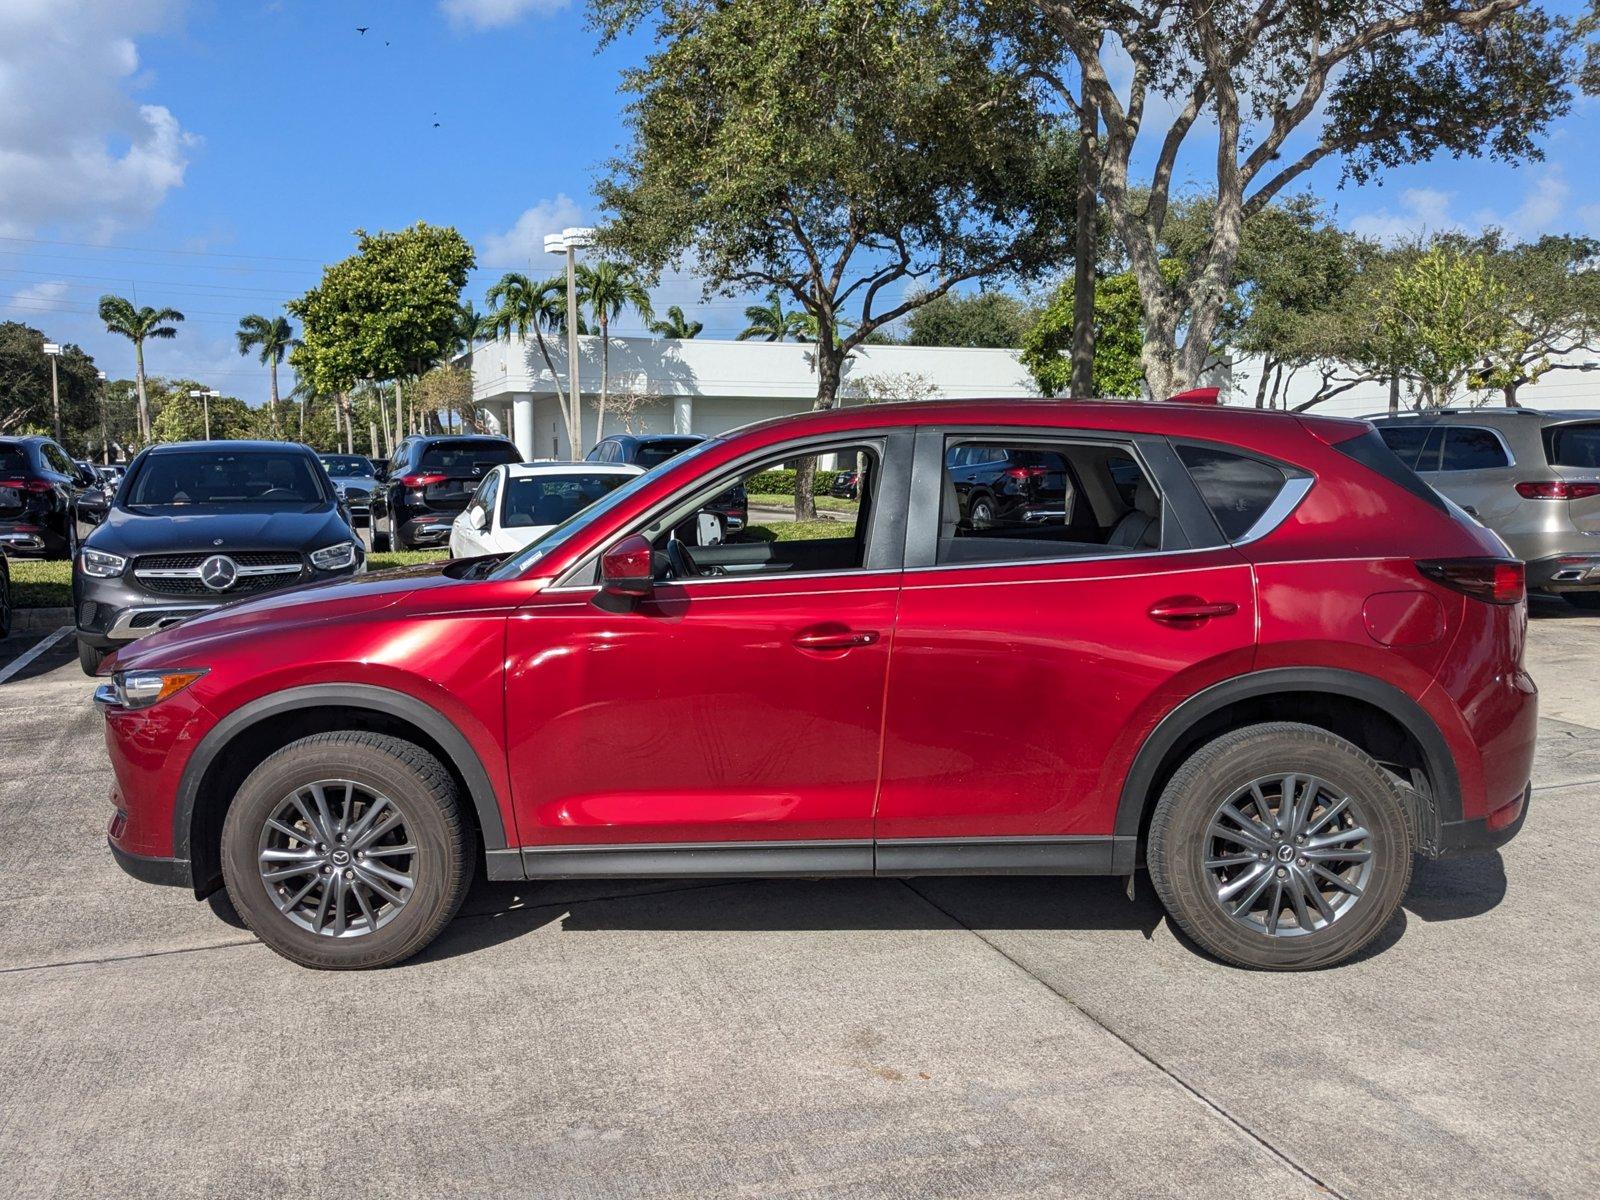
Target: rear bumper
[1483,834]
[169,872]
[1575,572]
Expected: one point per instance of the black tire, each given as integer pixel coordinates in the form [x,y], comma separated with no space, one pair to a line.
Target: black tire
[1177,847]
[90,657]
[416,784]
[1588,601]
[980,515]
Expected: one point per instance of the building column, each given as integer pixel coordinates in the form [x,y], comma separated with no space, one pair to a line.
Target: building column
[682,414]
[522,425]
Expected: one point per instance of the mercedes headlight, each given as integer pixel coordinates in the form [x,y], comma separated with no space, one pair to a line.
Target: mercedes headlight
[334,558]
[100,564]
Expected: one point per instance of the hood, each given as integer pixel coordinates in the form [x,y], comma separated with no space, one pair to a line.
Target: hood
[236,527]
[313,603]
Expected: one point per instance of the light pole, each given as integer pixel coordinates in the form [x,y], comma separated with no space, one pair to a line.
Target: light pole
[205,398]
[53,352]
[569,242]
[105,424]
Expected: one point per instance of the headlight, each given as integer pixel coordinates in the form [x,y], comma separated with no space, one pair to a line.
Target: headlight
[100,564]
[141,689]
[331,558]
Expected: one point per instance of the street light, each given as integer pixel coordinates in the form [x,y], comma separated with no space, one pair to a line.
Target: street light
[54,352]
[569,241]
[205,398]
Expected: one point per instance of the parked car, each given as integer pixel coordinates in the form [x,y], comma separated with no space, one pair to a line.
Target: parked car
[846,485]
[1532,477]
[649,450]
[516,504]
[1008,484]
[355,479]
[1308,674]
[40,487]
[197,525]
[111,474]
[427,481]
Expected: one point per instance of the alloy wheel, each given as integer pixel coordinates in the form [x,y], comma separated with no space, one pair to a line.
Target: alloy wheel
[1288,855]
[337,859]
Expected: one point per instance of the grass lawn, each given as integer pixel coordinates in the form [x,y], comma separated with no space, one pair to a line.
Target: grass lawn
[796,531]
[36,584]
[824,503]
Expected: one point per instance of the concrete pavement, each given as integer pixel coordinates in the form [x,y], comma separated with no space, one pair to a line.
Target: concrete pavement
[942,1037]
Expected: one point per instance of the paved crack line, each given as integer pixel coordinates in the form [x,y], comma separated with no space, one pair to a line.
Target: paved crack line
[116,958]
[1553,787]
[1299,1169]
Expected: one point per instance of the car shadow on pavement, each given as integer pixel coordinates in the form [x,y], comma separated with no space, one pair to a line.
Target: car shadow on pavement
[1451,889]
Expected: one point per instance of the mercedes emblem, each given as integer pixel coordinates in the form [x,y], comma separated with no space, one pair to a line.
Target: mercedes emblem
[219,572]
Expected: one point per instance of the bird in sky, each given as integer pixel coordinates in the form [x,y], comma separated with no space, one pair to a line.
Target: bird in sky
[362,28]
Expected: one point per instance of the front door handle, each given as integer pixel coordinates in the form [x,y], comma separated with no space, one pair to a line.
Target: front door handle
[834,639]
[1188,610]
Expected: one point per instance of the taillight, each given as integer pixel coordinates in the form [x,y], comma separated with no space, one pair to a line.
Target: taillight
[1494,580]
[421,481]
[28,485]
[1557,489]
[1024,473]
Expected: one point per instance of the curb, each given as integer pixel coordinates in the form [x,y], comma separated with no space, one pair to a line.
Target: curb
[39,620]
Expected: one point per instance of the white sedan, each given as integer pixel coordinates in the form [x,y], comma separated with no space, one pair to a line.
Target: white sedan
[517,503]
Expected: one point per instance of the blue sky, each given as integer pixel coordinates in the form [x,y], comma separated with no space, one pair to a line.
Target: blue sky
[212,154]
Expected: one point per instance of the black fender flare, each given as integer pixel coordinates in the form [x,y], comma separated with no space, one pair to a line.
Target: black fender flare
[343,695]
[1441,766]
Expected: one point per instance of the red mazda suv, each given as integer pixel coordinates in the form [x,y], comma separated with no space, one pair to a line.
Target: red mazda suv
[1249,652]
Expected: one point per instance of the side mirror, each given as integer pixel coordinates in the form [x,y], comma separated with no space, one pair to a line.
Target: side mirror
[625,568]
[477,518]
[708,529]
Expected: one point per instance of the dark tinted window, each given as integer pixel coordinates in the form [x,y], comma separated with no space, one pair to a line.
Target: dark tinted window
[14,463]
[1573,445]
[1237,490]
[459,458]
[1468,449]
[1409,442]
[1372,452]
[57,459]
[346,466]
[658,450]
[551,499]
[221,477]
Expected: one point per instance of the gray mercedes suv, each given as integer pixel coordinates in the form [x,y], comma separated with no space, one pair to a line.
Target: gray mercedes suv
[1533,477]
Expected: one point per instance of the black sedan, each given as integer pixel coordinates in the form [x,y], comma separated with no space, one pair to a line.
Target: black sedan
[198,524]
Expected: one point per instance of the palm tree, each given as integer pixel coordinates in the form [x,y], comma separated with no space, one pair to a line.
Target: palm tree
[137,324]
[518,305]
[275,338]
[676,325]
[607,288]
[769,322]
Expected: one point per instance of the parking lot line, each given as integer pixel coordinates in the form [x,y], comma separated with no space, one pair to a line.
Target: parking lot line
[11,668]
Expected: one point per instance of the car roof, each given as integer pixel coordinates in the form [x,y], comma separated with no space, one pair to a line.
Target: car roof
[1480,415]
[244,446]
[524,470]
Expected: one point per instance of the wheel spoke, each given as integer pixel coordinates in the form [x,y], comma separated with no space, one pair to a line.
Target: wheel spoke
[1328,814]
[1336,855]
[408,848]
[1310,887]
[1232,860]
[273,854]
[1275,906]
[1262,879]
[1286,805]
[367,818]
[383,872]
[1262,807]
[304,836]
[1245,878]
[1297,897]
[318,833]
[321,915]
[289,904]
[376,832]
[288,872]
[1338,881]
[366,909]
[379,886]
[341,889]
[1338,837]
[349,801]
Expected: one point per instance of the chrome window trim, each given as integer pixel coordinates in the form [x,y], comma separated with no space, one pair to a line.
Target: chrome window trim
[1294,490]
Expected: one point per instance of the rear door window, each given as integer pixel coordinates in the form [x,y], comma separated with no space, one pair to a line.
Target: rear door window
[466,459]
[1576,445]
[1470,449]
[1237,489]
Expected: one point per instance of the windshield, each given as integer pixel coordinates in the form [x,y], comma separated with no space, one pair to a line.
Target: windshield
[584,518]
[464,458]
[655,452]
[346,466]
[223,477]
[551,499]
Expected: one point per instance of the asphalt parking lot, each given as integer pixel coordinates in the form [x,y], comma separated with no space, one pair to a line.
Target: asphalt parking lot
[931,1038]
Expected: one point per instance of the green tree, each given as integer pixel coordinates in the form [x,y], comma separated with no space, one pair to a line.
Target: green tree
[676,325]
[139,325]
[771,322]
[25,398]
[517,305]
[389,311]
[608,289]
[1118,339]
[1275,87]
[182,417]
[273,338]
[836,151]
[991,319]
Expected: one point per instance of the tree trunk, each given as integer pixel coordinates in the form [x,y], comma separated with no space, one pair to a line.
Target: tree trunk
[399,414]
[1510,391]
[144,404]
[272,368]
[305,400]
[830,361]
[1394,392]
[1261,384]
[605,378]
[1084,254]
[372,432]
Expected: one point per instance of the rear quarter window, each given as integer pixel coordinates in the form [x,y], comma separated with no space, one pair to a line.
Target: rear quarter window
[1471,449]
[1576,445]
[1372,452]
[1238,490]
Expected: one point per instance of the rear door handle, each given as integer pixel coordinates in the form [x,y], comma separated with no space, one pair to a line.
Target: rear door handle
[834,639]
[1181,610]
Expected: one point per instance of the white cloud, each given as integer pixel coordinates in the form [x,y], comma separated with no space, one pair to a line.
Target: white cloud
[494,14]
[38,300]
[76,149]
[1545,208]
[521,247]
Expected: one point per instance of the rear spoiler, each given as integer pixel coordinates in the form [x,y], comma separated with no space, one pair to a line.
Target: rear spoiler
[1203,395]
